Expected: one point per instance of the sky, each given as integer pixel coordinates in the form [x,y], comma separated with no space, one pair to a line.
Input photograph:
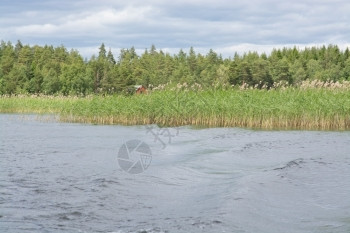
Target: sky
[226,26]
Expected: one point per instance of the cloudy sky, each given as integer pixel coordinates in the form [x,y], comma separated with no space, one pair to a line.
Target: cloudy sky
[227,26]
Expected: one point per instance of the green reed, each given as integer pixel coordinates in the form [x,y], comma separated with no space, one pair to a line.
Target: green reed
[289,108]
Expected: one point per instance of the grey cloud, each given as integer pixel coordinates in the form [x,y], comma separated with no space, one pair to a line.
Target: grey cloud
[221,24]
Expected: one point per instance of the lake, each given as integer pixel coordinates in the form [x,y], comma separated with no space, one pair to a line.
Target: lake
[65,177]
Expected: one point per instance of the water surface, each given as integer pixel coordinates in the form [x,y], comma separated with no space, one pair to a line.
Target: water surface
[62,177]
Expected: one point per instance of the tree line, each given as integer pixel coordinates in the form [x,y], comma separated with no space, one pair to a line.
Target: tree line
[55,70]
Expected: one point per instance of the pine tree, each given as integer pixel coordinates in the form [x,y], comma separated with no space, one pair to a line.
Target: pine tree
[110,57]
[102,52]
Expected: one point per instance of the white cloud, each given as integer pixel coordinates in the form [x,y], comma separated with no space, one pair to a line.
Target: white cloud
[36,29]
[87,22]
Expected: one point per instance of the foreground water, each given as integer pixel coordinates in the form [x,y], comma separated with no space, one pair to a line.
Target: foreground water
[59,177]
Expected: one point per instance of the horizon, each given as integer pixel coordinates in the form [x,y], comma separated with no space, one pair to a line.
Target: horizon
[116,51]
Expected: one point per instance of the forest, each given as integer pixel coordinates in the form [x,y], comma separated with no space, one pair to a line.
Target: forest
[50,70]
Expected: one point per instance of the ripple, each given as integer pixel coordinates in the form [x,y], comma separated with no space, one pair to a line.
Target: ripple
[65,178]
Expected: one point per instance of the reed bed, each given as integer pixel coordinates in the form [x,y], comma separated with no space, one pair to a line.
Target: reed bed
[311,108]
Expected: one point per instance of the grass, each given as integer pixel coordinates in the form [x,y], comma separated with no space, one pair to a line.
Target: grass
[288,108]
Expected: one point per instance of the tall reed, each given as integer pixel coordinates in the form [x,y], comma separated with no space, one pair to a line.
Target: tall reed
[280,108]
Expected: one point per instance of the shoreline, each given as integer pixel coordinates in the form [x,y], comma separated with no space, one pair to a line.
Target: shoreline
[288,109]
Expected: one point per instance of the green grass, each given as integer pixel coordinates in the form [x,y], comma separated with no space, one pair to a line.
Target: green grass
[292,108]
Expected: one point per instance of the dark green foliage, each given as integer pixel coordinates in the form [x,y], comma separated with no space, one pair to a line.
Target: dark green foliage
[49,70]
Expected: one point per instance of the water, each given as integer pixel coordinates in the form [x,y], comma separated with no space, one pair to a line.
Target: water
[59,177]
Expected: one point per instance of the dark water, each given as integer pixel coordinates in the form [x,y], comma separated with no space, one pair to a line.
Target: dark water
[58,177]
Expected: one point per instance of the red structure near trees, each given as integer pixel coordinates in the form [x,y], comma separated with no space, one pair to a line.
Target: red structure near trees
[140,89]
